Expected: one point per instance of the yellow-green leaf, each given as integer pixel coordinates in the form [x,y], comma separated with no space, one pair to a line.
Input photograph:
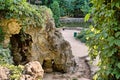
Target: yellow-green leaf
[87,17]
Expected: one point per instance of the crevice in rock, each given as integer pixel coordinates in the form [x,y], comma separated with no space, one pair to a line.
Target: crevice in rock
[48,65]
[21,48]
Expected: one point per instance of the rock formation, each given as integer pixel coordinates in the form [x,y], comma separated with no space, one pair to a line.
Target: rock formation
[4,73]
[32,71]
[44,44]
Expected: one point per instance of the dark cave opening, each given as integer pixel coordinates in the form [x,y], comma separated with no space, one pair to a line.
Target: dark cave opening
[21,47]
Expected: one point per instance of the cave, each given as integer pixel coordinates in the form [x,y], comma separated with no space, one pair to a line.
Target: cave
[21,48]
[48,65]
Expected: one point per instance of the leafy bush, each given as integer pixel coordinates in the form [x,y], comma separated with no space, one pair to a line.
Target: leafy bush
[5,56]
[86,8]
[6,61]
[82,36]
[105,40]
[28,15]
[16,71]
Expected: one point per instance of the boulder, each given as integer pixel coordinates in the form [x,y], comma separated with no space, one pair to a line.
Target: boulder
[50,48]
[32,71]
[44,44]
[9,27]
[4,73]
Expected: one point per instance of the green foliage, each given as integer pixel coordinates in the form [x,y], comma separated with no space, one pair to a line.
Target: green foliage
[47,2]
[56,12]
[5,56]
[86,8]
[81,7]
[28,15]
[87,17]
[73,8]
[6,61]
[15,71]
[105,38]
[68,7]
[82,36]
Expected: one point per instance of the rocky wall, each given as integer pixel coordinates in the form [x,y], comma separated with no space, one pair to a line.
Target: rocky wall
[44,44]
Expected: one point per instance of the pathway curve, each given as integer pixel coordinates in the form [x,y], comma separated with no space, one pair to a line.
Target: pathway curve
[78,49]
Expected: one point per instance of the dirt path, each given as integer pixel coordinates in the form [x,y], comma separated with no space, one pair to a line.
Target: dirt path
[78,49]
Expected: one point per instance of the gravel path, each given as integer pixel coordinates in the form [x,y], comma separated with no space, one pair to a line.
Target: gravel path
[78,49]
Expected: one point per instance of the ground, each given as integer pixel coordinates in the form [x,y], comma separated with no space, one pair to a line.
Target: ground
[82,71]
[78,49]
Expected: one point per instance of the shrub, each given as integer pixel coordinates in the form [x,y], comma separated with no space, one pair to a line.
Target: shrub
[105,40]
[5,56]
[6,61]
[82,36]
[26,14]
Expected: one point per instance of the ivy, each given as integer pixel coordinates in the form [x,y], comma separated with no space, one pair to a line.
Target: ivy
[25,13]
[105,38]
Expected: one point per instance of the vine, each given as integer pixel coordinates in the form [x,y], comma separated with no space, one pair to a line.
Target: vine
[25,13]
[104,38]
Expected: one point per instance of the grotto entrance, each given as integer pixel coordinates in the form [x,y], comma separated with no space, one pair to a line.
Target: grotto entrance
[21,47]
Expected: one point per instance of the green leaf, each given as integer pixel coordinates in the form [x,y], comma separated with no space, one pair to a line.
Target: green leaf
[117,34]
[118,65]
[117,5]
[117,42]
[111,41]
[118,76]
[87,17]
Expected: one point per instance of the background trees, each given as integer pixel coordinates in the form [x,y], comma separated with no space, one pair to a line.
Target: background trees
[69,8]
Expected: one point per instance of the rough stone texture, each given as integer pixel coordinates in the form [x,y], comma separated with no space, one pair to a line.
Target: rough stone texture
[32,71]
[44,44]
[80,72]
[10,27]
[4,73]
[50,48]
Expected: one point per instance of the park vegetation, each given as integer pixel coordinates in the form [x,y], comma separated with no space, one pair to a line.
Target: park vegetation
[65,8]
[104,38]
